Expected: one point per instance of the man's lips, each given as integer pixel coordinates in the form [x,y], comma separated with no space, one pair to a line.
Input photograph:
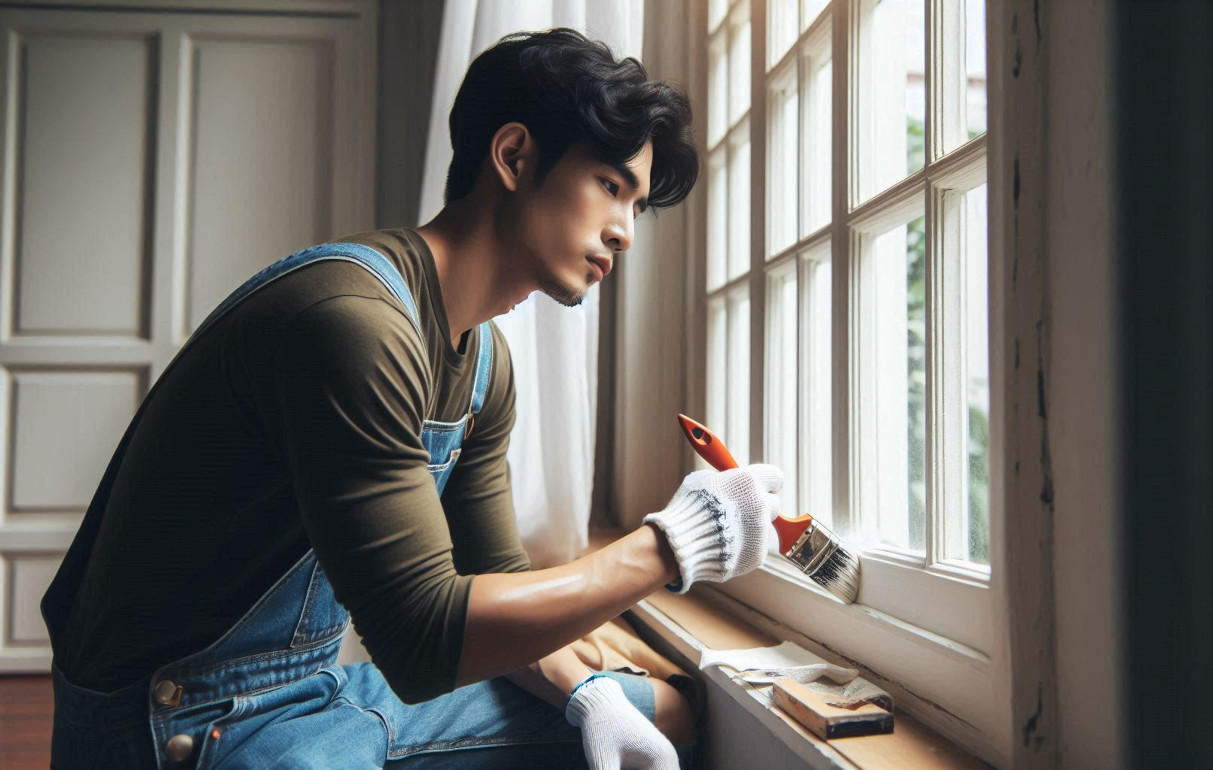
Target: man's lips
[602,263]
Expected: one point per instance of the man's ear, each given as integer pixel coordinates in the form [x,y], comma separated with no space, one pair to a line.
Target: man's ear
[512,155]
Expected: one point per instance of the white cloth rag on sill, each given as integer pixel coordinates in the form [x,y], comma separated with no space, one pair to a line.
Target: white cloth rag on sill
[763,665]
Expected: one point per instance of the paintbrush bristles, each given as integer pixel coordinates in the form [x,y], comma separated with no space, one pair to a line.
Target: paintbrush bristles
[839,575]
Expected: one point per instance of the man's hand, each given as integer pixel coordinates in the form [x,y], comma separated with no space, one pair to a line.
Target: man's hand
[717,522]
[614,734]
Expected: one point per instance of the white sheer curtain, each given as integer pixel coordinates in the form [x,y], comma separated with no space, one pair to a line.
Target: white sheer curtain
[554,349]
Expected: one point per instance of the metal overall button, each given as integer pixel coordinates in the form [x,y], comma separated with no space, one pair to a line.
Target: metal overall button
[178,748]
[167,693]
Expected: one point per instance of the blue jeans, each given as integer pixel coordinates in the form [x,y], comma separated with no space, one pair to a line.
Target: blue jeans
[339,717]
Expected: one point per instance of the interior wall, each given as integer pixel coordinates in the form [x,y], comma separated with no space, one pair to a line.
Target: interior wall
[1081,412]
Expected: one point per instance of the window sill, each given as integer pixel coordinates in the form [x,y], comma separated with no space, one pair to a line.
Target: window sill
[681,626]
[952,688]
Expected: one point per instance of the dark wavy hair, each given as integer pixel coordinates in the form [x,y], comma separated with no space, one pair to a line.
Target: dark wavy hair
[566,89]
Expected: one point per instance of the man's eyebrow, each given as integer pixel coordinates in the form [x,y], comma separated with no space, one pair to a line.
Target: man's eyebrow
[629,177]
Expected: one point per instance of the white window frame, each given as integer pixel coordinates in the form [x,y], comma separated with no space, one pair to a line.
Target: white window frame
[928,628]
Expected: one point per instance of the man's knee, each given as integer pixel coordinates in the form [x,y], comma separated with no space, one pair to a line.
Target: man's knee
[674,717]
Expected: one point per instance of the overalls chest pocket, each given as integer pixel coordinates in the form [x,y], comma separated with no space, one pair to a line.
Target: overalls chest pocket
[443,441]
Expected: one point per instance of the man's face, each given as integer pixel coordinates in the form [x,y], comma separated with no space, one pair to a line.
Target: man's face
[583,214]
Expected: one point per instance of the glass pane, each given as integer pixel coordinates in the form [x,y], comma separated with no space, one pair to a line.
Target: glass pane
[718,218]
[718,91]
[818,133]
[782,208]
[898,311]
[782,381]
[809,11]
[890,91]
[975,66]
[977,371]
[815,436]
[716,11]
[717,395]
[961,113]
[739,67]
[739,204]
[781,29]
[737,424]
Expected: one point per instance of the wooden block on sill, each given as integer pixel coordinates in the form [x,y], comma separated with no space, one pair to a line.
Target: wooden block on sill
[810,708]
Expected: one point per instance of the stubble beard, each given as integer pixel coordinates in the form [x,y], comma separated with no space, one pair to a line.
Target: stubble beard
[569,296]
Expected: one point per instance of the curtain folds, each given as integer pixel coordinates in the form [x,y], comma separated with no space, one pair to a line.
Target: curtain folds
[554,349]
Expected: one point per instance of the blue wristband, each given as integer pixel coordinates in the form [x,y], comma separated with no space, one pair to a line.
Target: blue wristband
[583,683]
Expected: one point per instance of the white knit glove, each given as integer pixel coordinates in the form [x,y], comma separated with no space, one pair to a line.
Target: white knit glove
[717,522]
[614,734]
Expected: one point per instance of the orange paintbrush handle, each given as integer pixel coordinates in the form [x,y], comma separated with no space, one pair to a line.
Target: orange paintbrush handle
[709,446]
[704,441]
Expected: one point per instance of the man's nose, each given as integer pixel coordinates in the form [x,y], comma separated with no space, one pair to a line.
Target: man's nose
[618,234]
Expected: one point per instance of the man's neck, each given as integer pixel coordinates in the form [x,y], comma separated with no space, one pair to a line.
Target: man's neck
[475,268]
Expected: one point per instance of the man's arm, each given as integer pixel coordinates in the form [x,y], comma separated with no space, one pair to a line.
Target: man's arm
[516,618]
[351,379]
[552,678]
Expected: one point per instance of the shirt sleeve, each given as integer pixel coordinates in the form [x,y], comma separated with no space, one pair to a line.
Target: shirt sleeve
[478,498]
[352,381]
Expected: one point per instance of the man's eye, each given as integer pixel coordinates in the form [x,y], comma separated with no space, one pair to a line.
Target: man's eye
[612,188]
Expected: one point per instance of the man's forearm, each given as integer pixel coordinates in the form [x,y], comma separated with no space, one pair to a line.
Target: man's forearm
[553,677]
[515,619]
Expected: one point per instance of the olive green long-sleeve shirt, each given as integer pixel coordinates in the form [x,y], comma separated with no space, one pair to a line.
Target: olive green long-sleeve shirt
[295,423]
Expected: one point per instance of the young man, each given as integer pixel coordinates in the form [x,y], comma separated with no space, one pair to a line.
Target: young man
[332,441]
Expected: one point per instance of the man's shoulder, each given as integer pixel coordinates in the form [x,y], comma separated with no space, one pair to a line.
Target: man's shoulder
[355,326]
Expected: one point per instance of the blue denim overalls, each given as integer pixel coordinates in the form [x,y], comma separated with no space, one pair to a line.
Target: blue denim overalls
[269,692]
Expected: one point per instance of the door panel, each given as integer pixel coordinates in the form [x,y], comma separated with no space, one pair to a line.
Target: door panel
[65,425]
[28,576]
[152,162]
[263,113]
[84,151]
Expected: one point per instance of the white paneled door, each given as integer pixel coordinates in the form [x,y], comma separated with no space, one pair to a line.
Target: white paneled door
[150,163]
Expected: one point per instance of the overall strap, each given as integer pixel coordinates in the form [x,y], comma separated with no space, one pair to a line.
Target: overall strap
[484,368]
[370,259]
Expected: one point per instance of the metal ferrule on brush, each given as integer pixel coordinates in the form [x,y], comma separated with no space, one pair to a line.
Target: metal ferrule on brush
[813,548]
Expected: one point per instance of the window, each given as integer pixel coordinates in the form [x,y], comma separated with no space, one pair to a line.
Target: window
[848,305]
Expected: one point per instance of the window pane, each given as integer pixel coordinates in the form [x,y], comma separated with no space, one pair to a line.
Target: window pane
[782,29]
[818,135]
[739,203]
[816,431]
[897,263]
[737,436]
[975,66]
[961,114]
[716,370]
[783,382]
[739,66]
[718,217]
[977,371]
[718,90]
[890,91]
[784,105]
[809,11]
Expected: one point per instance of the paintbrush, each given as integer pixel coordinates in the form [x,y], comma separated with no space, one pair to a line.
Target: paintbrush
[806,542]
